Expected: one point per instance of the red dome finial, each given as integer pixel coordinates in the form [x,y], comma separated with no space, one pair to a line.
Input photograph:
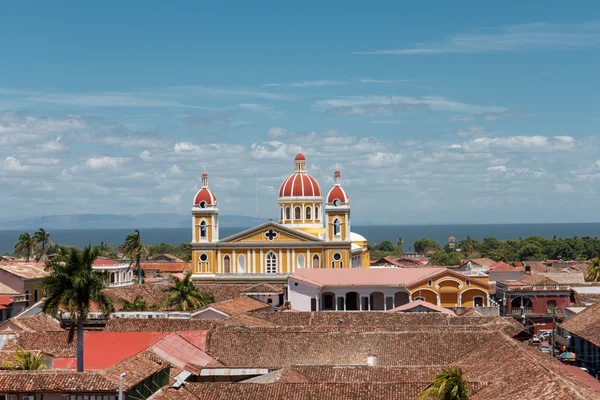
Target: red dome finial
[204,174]
[300,157]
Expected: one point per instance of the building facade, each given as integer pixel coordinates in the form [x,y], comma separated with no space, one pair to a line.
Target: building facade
[310,233]
[383,289]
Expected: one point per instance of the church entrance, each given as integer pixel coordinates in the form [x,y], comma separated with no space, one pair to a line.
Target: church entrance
[352,301]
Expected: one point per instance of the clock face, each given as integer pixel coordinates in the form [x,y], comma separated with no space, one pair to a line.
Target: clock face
[336,202]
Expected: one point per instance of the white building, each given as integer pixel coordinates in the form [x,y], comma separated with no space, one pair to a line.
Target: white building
[119,274]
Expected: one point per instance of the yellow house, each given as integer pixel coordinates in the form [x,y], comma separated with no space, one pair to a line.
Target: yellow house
[24,278]
[310,233]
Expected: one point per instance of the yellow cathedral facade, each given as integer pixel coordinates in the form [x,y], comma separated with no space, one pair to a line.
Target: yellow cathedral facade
[310,233]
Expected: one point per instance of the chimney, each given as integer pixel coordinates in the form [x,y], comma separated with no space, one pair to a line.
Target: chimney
[527,269]
[371,361]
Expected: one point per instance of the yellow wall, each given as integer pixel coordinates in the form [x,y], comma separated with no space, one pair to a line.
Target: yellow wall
[446,283]
[31,285]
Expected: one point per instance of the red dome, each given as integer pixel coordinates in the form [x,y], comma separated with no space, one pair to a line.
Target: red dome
[300,157]
[300,185]
[205,195]
[204,174]
[337,193]
[337,172]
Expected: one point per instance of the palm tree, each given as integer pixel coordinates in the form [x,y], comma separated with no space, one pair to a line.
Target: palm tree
[26,361]
[447,385]
[73,286]
[138,304]
[184,295]
[134,249]
[467,246]
[400,244]
[593,274]
[42,237]
[25,245]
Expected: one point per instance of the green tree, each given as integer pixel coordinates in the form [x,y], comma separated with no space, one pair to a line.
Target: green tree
[134,249]
[400,244]
[426,245]
[387,246]
[467,246]
[25,245]
[593,274]
[25,361]
[42,238]
[73,286]
[183,295]
[447,385]
[446,258]
[530,252]
[138,304]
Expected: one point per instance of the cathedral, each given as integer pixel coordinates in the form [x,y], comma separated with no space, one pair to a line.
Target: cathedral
[310,233]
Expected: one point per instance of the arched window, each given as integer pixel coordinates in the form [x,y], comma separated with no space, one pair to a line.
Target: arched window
[419,298]
[478,301]
[241,264]
[287,213]
[297,213]
[301,261]
[281,213]
[112,277]
[204,265]
[317,214]
[316,262]
[269,301]
[271,263]
[336,227]
[203,230]
[337,261]
[308,213]
[227,264]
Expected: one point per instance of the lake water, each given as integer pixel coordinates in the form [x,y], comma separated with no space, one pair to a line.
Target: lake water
[374,233]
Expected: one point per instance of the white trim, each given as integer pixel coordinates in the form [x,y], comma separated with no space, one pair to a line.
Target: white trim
[209,308]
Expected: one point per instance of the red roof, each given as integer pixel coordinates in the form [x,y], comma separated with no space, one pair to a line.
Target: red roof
[300,157]
[300,184]
[5,299]
[105,349]
[337,193]
[105,261]
[206,195]
[421,303]
[501,266]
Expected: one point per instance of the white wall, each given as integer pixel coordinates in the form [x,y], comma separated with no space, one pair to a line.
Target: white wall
[300,293]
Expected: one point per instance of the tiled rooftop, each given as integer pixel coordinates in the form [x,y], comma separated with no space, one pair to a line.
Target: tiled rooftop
[158,325]
[25,270]
[239,305]
[36,323]
[53,343]
[586,324]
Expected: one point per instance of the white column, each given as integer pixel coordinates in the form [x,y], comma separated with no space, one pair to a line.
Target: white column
[318,303]
[262,262]
[219,261]
[280,261]
[459,300]
[361,302]
[253,261]
[289,261]
[293,260]
[233,262]
[439,300]
[194,229]
[307,258]
[303,213]
[369,302]
[248,261]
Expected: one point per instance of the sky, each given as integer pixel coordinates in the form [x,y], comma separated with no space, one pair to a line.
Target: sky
[435,112]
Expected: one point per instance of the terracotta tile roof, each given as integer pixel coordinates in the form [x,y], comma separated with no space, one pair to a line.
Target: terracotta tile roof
[54,343]
[485,262]
[565,277]
[9,355]
[420,303]
[53,381]
[501,266]
[153,294]
[36,323]
[25,270]
[273,349]
[226,291]
[263,288]
[174,394]
[245,320]
[586,324]
[166,267]
[347,374]
[318,391]
[138,367]
[365,276]
[514,370]
[239,305]
[290,375]
[158,325]
[531,279]
[171,257]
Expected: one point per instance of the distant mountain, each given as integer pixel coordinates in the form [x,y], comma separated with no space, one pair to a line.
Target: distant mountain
[116,221]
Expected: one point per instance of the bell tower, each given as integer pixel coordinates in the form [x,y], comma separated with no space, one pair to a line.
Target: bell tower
[205,215]
[337,212]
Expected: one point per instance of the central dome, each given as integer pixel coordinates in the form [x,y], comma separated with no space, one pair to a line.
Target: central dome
[300,183]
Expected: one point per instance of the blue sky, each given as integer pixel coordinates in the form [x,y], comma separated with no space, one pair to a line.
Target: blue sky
[436,112]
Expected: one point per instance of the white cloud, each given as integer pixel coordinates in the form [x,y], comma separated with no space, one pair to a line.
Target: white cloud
[186,147]
[498,168]
[11,164]
[564,188]
[276,132]
[493,116]
[383,105]
[461,117]
[272,150]
[382,160]
[171,199]
[472,131]
[526,37]
[317,83]
[383,81]
[520,144]
[389,121]
[105,162]
[146,156]
[174,170]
